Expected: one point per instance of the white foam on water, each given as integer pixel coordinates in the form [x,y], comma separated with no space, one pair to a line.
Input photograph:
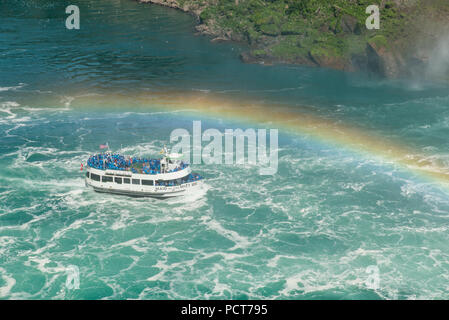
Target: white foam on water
[227,256]
[5,243]
[28,208]
[122,222]
[6,108]
[279,196]
[219,289]
[273,262]
[24,153]
[12,108]
[322,280]
[10,282]
[162,264]
[139,244]
[355,186]
[240,241]
[144,149]
[40,261]
[192,200]
[49,109]
[26,226]
[73,226]
[12,88]
[8,131]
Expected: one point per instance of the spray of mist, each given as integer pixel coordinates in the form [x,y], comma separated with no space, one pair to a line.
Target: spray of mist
[438,64]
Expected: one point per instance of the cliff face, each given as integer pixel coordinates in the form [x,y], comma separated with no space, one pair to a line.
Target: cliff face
[326,33]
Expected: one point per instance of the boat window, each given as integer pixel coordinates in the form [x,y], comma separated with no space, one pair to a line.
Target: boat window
[147,182]
[136,181]
[95,177]
[126,180]
[106,179]
[118,180]
[87,174]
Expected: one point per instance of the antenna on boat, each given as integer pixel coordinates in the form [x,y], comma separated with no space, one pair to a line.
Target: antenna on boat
[164,151]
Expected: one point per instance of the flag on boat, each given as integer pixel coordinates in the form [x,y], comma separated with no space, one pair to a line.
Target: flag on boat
[104,146]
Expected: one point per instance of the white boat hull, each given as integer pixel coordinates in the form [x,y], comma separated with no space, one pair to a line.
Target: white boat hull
[139,190]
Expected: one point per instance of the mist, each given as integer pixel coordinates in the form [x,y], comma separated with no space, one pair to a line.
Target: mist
[438,63]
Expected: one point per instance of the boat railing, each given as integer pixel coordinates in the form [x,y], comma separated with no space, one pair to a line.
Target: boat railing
[120,163]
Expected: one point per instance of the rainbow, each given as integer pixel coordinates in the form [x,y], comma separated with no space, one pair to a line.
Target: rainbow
[292,120]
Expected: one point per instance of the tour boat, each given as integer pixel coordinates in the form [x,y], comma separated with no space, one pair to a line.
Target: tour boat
[168,176]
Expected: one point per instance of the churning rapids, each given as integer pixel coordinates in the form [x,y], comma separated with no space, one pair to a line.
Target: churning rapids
[132,74]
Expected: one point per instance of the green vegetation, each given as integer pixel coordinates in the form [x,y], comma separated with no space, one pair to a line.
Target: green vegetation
[297,30]
[291,29]
[379,41]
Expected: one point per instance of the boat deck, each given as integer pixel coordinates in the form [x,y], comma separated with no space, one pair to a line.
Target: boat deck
[135,165]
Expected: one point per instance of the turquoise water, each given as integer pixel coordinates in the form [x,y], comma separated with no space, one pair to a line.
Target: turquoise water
[308,232]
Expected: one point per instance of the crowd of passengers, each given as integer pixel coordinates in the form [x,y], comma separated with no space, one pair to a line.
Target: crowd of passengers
[119,162]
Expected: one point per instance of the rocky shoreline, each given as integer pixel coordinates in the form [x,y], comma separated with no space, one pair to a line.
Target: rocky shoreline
[348,47]
[195,9]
